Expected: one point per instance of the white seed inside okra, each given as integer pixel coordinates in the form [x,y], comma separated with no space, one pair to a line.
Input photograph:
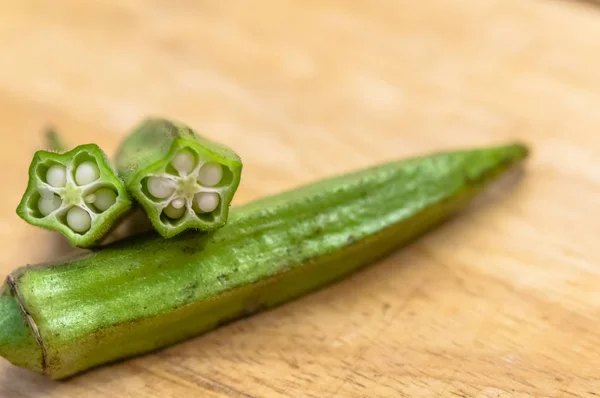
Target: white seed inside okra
[60,194]
[189,187]
[207,201]
[174,212]
[79,220]
[86,173]
[184,162]
[210,174]
[178,203]
[48,205]
[56,176]
[160,187]
[102,199]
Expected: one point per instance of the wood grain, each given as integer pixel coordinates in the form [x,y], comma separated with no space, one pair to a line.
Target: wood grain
[503,302]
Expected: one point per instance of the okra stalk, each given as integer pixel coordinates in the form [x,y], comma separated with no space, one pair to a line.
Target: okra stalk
[76,193]
[147,293]
[182,180]
[54,141]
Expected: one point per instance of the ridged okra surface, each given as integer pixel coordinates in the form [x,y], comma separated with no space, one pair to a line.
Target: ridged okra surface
[149,292]
[182,180]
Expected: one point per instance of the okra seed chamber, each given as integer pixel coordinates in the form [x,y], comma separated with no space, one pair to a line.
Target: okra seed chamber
[57,176]
[160,187]
[210,174]
[184,162]
[86,173]
[206,201]
[174,212]
[71,192]
[189,186]
[103,199]
[76,192]
[79,220]
[48,205]
[169,169]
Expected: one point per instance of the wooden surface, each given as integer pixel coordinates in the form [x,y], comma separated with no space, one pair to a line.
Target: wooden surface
[503,302]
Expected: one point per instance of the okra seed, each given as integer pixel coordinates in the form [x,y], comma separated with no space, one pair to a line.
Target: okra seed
[184,162]
[46,193]
[56,176]
[210,174]
[79,220]
[160,187]
[104,198]
[178,203]
[86,173]
[49,205]
[207,201]
[173,212]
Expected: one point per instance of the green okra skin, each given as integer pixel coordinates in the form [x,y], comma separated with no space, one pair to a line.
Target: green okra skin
[182,180]
[76,193]
[146,293]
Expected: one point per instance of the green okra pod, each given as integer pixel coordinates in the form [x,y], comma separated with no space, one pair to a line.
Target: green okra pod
[147,293]
[182,180]
[76,193]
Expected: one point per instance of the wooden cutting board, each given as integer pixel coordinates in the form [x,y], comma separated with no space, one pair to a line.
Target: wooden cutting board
[502,302]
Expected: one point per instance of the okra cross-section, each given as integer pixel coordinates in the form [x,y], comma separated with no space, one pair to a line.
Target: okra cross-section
[182,180]
[76,193]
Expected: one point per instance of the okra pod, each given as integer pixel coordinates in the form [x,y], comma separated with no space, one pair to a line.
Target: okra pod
[76,193]
[182,180]
[146,293]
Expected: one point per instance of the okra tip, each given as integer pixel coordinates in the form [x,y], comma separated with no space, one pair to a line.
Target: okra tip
[521,149]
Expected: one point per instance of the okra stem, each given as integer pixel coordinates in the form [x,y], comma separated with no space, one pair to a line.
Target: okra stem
[183,181]
[54,141]
[146,293]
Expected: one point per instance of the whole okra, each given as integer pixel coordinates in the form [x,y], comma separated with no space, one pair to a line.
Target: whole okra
[147,293]
[76,193]
[182,180]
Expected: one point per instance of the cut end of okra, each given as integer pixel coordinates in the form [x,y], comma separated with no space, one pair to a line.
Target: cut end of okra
[76,193]
[182,180]
[188,189]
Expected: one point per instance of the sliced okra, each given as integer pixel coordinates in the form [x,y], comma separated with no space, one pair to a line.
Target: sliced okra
[65,318]
[182,180]
[76,193]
